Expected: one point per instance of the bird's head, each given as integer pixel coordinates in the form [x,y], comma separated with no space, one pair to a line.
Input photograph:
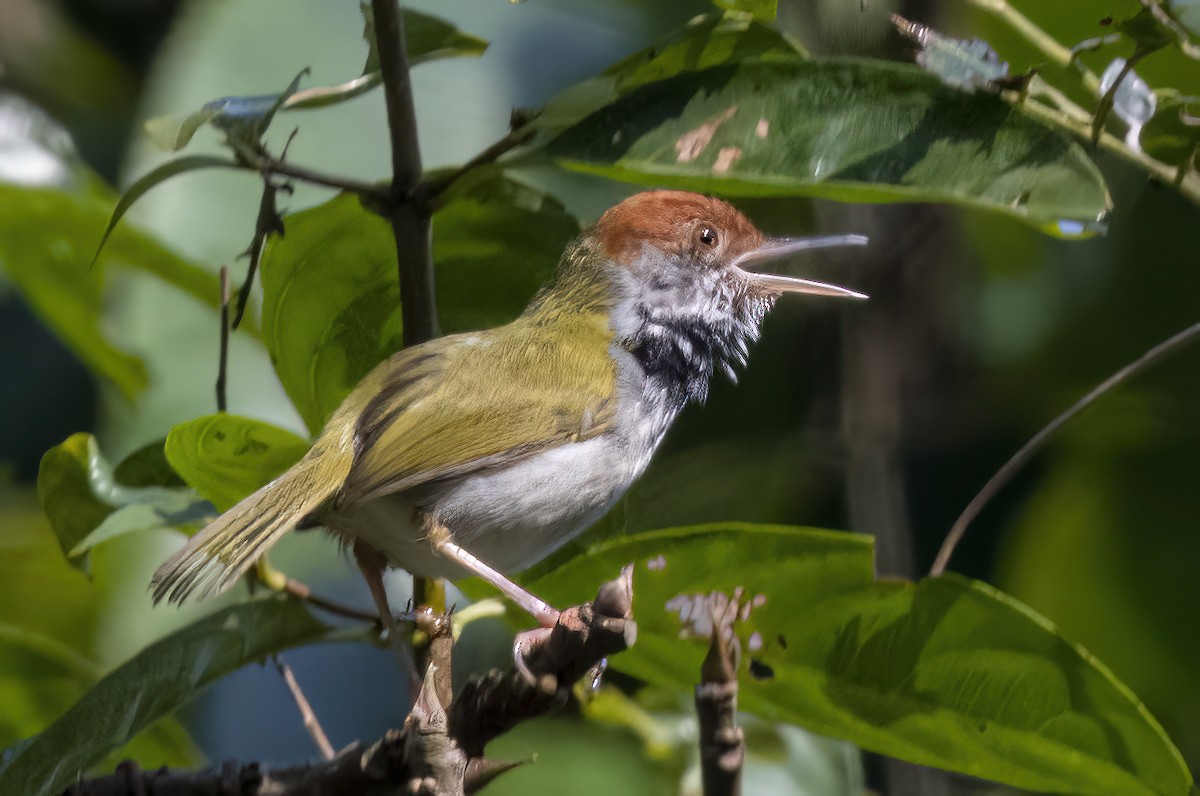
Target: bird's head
[681,275]
[694,241]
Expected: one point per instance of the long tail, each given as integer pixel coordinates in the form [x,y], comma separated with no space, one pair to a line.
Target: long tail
[215,558]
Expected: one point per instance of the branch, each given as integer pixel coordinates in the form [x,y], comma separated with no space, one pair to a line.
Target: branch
[722,743]
[410,220]
[1046,44]
[266,165]
[437,751]
[306,712]
[436,187]
[223,351]
[586,634]
[268,223]
[1027,451]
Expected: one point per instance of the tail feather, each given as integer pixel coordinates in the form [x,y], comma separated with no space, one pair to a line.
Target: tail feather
[214,559]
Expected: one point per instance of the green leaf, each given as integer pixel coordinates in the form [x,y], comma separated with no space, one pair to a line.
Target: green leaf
[848,129]
[331,307]
[706,41]
[226,457]
[45,239]
[495,243]
[762,10]
[428,38]
[152,684]
[244,120]
[41,677]
[86,505]
[1173,133]
[157,176]
[148,466]
[948,672]
[1146,30]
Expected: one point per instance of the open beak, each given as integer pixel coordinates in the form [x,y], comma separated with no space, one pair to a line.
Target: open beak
[777,248]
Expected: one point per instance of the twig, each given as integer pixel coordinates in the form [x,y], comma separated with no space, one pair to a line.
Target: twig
[1027,451]
[302,592]
[267,165]
[306,712]
[1046,44]
[493,703]
[223,355]
[1105,106]
[722,742]
[432,189]
[437,751]
[1189,186]
[1182,37]
[266,224]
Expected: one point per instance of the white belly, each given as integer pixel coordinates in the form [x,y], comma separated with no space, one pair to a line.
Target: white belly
[511,518]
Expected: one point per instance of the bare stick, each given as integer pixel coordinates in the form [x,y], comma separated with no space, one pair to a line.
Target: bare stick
[722,743]
[306,712]
[222,403]
[268,223]
[438,750]
[303,592]
[1027,451]
[1105,106]
[514,139]
[267,165]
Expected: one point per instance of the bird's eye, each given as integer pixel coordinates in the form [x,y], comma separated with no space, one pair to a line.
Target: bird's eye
[708,237]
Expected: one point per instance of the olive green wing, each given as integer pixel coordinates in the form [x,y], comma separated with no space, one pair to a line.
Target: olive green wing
[453,406]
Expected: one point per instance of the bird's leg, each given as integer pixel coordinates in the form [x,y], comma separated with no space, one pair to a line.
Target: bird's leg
[545,614]
[371,563]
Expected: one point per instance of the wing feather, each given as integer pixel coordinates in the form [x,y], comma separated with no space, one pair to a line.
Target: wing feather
[451,407]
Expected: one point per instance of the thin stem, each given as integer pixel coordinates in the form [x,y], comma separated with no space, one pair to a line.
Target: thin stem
[306,712]
[1027,451]
[258,159]
[1104,107]
[277,581]
[514,139]
[302,591]
[222,364]
[1189,186]
[1046,44]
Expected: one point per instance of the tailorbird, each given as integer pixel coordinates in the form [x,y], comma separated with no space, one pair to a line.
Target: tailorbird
[484,452]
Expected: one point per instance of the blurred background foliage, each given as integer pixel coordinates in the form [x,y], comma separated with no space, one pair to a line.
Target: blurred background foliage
[1099,534]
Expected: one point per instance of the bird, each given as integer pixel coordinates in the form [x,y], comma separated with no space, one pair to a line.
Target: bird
[481,453]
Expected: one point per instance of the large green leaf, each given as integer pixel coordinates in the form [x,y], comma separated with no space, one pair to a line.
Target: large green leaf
[86,504]
[156,681]
[849,129]
[46,239]
[706,41]
[331,306]
[948,672]
[226,457]
[41,677]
